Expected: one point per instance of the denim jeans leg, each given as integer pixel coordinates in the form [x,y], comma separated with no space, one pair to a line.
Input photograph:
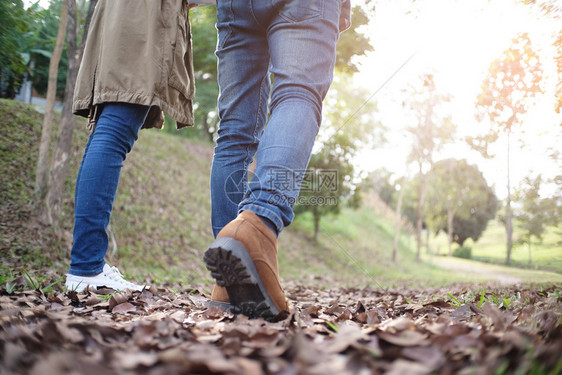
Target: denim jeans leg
[244,90]
[302,41]
[116,132]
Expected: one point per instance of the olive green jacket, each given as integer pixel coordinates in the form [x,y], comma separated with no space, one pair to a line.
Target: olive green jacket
[138,51]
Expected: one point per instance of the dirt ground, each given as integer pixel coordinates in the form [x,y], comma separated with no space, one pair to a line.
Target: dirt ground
[452,264]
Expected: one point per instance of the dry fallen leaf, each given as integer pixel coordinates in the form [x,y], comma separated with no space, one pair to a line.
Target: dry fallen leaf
[405,338]
[117,299]
[123,308]
[343,331]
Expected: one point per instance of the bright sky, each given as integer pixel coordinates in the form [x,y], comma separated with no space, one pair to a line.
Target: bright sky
[456,40]
[43,3]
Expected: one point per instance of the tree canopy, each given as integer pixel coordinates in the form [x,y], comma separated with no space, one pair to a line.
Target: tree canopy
[512,83]
[204,39]
[535,213]
[353,42]
[14,26]
[507,92]
[461,202]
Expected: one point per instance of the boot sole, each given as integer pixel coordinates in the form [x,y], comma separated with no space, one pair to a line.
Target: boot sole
[232,267]
[224,306]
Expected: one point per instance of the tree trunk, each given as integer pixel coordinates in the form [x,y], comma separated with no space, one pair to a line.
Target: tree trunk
[43,159]
[419,214]
[59,164]
[316,226]
[61,157]
[398,216]
[530,260]
[450,216]
[508,214]
[205,128]
[427,250]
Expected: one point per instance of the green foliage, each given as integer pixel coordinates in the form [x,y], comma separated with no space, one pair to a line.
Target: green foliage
[463,252]
[532,215]
[14,26]
[204,39]
[482,299]
[20,126]
[455,301]
[31,282]
[42,43]
[204,35]
[10,287]
[555,209]
[332,326]
[410,205]
[459,190]
[499,300]
[28,281]
[380,181]
[325,185]
[535,213]
[59,282]
[474,225]
[354,42]
[502,300]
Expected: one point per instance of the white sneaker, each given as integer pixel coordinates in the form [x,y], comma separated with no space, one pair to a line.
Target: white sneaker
[110,278]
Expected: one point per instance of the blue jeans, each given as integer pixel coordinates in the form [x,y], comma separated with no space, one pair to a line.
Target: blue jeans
[116,131]
[295,40]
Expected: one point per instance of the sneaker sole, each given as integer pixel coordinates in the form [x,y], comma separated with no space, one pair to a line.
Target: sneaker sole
[232,267]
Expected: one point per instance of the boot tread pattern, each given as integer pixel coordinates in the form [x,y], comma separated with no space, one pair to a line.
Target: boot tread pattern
[232,268]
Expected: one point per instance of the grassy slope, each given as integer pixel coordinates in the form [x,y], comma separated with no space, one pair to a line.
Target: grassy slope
[161,219]
[546,255]
[491,248]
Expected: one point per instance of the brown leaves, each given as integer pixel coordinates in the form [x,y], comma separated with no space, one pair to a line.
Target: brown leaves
[344,331]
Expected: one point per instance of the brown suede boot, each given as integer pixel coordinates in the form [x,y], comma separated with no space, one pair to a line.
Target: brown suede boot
[243,259]
[219,298]
[219,294]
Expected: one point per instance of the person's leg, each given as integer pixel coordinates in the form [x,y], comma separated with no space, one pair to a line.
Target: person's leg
[302,43]
[244,85]
[243,258]
[116,131]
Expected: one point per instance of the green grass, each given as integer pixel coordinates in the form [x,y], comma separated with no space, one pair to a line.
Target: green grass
[161,221]
[491,247]
[509,274]
[358,245]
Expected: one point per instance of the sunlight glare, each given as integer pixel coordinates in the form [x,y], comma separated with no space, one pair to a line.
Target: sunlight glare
[457,41]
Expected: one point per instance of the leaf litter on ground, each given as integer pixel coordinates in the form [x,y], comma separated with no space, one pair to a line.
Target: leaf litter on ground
[328,331]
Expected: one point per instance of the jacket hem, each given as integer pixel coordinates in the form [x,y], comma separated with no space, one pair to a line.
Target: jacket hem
[82,107]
